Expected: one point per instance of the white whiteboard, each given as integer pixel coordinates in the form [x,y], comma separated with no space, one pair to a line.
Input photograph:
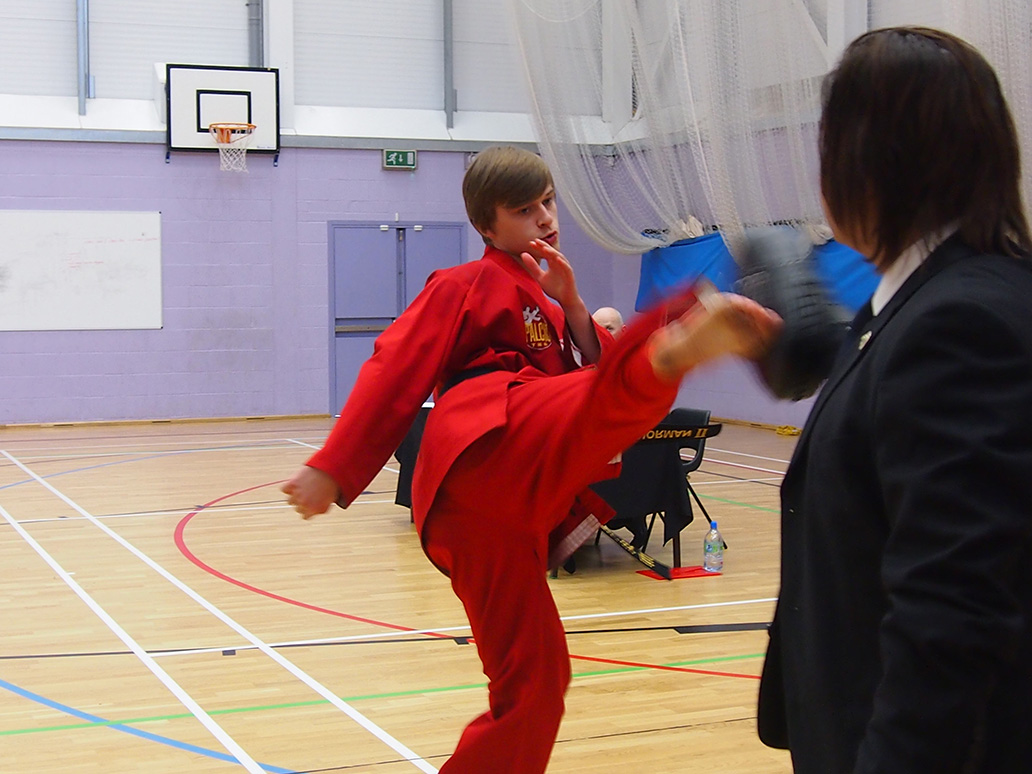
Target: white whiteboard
[63,271]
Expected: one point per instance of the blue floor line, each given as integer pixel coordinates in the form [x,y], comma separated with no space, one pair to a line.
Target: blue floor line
[133,731]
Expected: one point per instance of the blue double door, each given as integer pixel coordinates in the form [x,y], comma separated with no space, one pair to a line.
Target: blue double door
[376,271]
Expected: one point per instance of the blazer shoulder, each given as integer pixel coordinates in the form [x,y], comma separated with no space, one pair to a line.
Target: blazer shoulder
[990,266]
[986,280]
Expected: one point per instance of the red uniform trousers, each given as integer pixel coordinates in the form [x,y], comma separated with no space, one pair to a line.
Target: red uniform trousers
[488,528]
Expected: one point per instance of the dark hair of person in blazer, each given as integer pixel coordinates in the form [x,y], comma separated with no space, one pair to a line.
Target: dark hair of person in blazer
[894,168]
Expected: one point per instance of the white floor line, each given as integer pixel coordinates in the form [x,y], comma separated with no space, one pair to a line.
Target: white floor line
[733,481]
[181,511]
[187,701]
[703,606]
[113,450]
[177,512]
[302,443]
[217,509]
[357,501]
[443,629]
[83,456]
[711,460]
[744,454]
[322,690]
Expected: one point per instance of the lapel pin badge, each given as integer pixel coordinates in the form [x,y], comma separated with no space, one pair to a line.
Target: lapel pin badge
[863,340]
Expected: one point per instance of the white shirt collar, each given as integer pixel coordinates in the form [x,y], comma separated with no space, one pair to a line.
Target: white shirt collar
[907,263]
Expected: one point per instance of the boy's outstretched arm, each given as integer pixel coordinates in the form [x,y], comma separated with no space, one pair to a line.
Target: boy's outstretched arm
[558,282]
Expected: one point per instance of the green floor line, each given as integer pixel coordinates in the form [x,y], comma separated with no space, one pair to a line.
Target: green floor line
[366,697]
[741,505]
[717,660]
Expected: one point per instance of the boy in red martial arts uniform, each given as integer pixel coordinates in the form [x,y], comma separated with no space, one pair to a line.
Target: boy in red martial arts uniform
[517,433]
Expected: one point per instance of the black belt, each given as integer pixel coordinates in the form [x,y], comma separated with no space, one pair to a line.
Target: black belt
[461,376]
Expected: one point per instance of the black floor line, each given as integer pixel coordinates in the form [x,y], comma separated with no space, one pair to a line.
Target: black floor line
[754,626]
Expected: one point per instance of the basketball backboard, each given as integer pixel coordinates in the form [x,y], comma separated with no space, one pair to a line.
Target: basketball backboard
[200,95]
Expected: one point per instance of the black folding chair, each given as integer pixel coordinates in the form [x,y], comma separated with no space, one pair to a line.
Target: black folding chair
[655,479]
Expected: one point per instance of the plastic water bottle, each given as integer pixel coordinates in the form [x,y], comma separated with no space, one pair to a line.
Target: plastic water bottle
[713,550]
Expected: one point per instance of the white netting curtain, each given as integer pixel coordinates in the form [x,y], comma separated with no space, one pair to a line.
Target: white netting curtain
[662,119]
[659,117]
[1002,31]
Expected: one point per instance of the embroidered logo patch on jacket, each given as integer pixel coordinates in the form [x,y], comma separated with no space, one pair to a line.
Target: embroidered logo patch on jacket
[538,334]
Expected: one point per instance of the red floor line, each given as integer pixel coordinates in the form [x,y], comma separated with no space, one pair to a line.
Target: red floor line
[618,662]
[185,550]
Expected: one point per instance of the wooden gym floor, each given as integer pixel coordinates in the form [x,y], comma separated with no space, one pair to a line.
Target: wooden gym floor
[164,611]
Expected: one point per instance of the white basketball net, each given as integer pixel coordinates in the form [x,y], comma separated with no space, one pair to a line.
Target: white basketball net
[232,141]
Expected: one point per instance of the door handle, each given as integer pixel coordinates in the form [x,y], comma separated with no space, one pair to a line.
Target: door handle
[375,328]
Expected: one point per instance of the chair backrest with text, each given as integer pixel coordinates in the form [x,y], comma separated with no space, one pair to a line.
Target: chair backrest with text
[690,463]
[654,475]
[686,417]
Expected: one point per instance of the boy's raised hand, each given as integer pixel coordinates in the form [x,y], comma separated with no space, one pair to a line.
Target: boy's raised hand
[557,279]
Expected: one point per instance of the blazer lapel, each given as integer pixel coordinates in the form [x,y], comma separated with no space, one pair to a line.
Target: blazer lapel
[863,337]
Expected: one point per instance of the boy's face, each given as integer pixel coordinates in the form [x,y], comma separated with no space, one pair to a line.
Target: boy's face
[514,227]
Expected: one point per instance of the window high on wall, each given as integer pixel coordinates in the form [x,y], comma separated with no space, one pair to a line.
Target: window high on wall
[127,38]
[39,43]
[391,54]
[489,73]
[369,53]
[38,48]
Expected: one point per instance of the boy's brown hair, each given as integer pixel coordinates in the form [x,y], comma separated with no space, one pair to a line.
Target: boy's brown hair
[502,175]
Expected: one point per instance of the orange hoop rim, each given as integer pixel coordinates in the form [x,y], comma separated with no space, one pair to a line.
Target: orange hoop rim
[224,131]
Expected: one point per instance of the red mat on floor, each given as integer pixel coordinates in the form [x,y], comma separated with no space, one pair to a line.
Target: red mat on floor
[680,572]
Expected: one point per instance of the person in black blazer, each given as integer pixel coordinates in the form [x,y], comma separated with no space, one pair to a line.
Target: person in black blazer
[902,641]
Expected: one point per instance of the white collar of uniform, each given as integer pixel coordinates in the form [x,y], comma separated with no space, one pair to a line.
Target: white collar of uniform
[907,263]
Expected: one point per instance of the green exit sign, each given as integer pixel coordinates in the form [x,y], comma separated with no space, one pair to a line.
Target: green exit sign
[399,159]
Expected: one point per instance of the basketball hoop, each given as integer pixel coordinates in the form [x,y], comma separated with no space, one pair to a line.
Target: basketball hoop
[232,140]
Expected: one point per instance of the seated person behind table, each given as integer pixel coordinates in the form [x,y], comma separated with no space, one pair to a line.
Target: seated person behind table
[610,319]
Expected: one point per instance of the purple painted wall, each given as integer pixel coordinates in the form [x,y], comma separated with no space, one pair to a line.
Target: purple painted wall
[245,272]
[244,266]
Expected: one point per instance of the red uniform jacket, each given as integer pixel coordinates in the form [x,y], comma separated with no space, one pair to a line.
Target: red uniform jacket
[488,314]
